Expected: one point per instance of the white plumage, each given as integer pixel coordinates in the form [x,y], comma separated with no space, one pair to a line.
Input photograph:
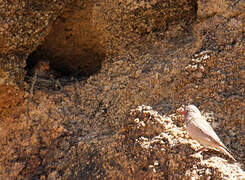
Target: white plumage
[200,130]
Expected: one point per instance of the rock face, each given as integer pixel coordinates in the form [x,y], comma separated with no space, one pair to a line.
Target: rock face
[160,53]
[23,26]
[87,31]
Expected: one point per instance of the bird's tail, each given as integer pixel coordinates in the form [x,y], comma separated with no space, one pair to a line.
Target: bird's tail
[225,150]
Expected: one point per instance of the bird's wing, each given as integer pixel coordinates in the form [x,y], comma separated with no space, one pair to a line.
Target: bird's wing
[207,130]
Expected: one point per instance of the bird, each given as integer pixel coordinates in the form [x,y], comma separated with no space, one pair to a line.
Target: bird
[40,69]
[200,130]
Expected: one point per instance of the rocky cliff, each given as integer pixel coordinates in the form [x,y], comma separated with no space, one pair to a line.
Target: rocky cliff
[109,58]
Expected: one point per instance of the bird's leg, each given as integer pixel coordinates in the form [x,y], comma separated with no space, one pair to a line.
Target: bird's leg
[201,150]
[30,95]
[56,82]
[197,152]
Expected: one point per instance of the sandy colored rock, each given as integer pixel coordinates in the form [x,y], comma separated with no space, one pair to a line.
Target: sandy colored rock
[90,128]
[91,30]
[24,25]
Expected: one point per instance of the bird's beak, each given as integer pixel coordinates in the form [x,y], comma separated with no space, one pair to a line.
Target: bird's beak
[181,111]
[46,67]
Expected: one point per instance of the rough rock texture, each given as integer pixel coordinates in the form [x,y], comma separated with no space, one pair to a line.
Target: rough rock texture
[23,26]
[159,136]
[155,53]
[87,31]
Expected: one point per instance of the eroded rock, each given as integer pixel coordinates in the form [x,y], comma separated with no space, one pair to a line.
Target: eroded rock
[84,131]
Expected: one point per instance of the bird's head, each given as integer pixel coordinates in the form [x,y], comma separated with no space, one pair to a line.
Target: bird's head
[43,65]
[191,109]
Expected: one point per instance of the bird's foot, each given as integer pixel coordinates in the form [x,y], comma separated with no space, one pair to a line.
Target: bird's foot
[200,150]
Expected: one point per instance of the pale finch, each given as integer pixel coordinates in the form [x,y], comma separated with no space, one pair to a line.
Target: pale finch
[200,130]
